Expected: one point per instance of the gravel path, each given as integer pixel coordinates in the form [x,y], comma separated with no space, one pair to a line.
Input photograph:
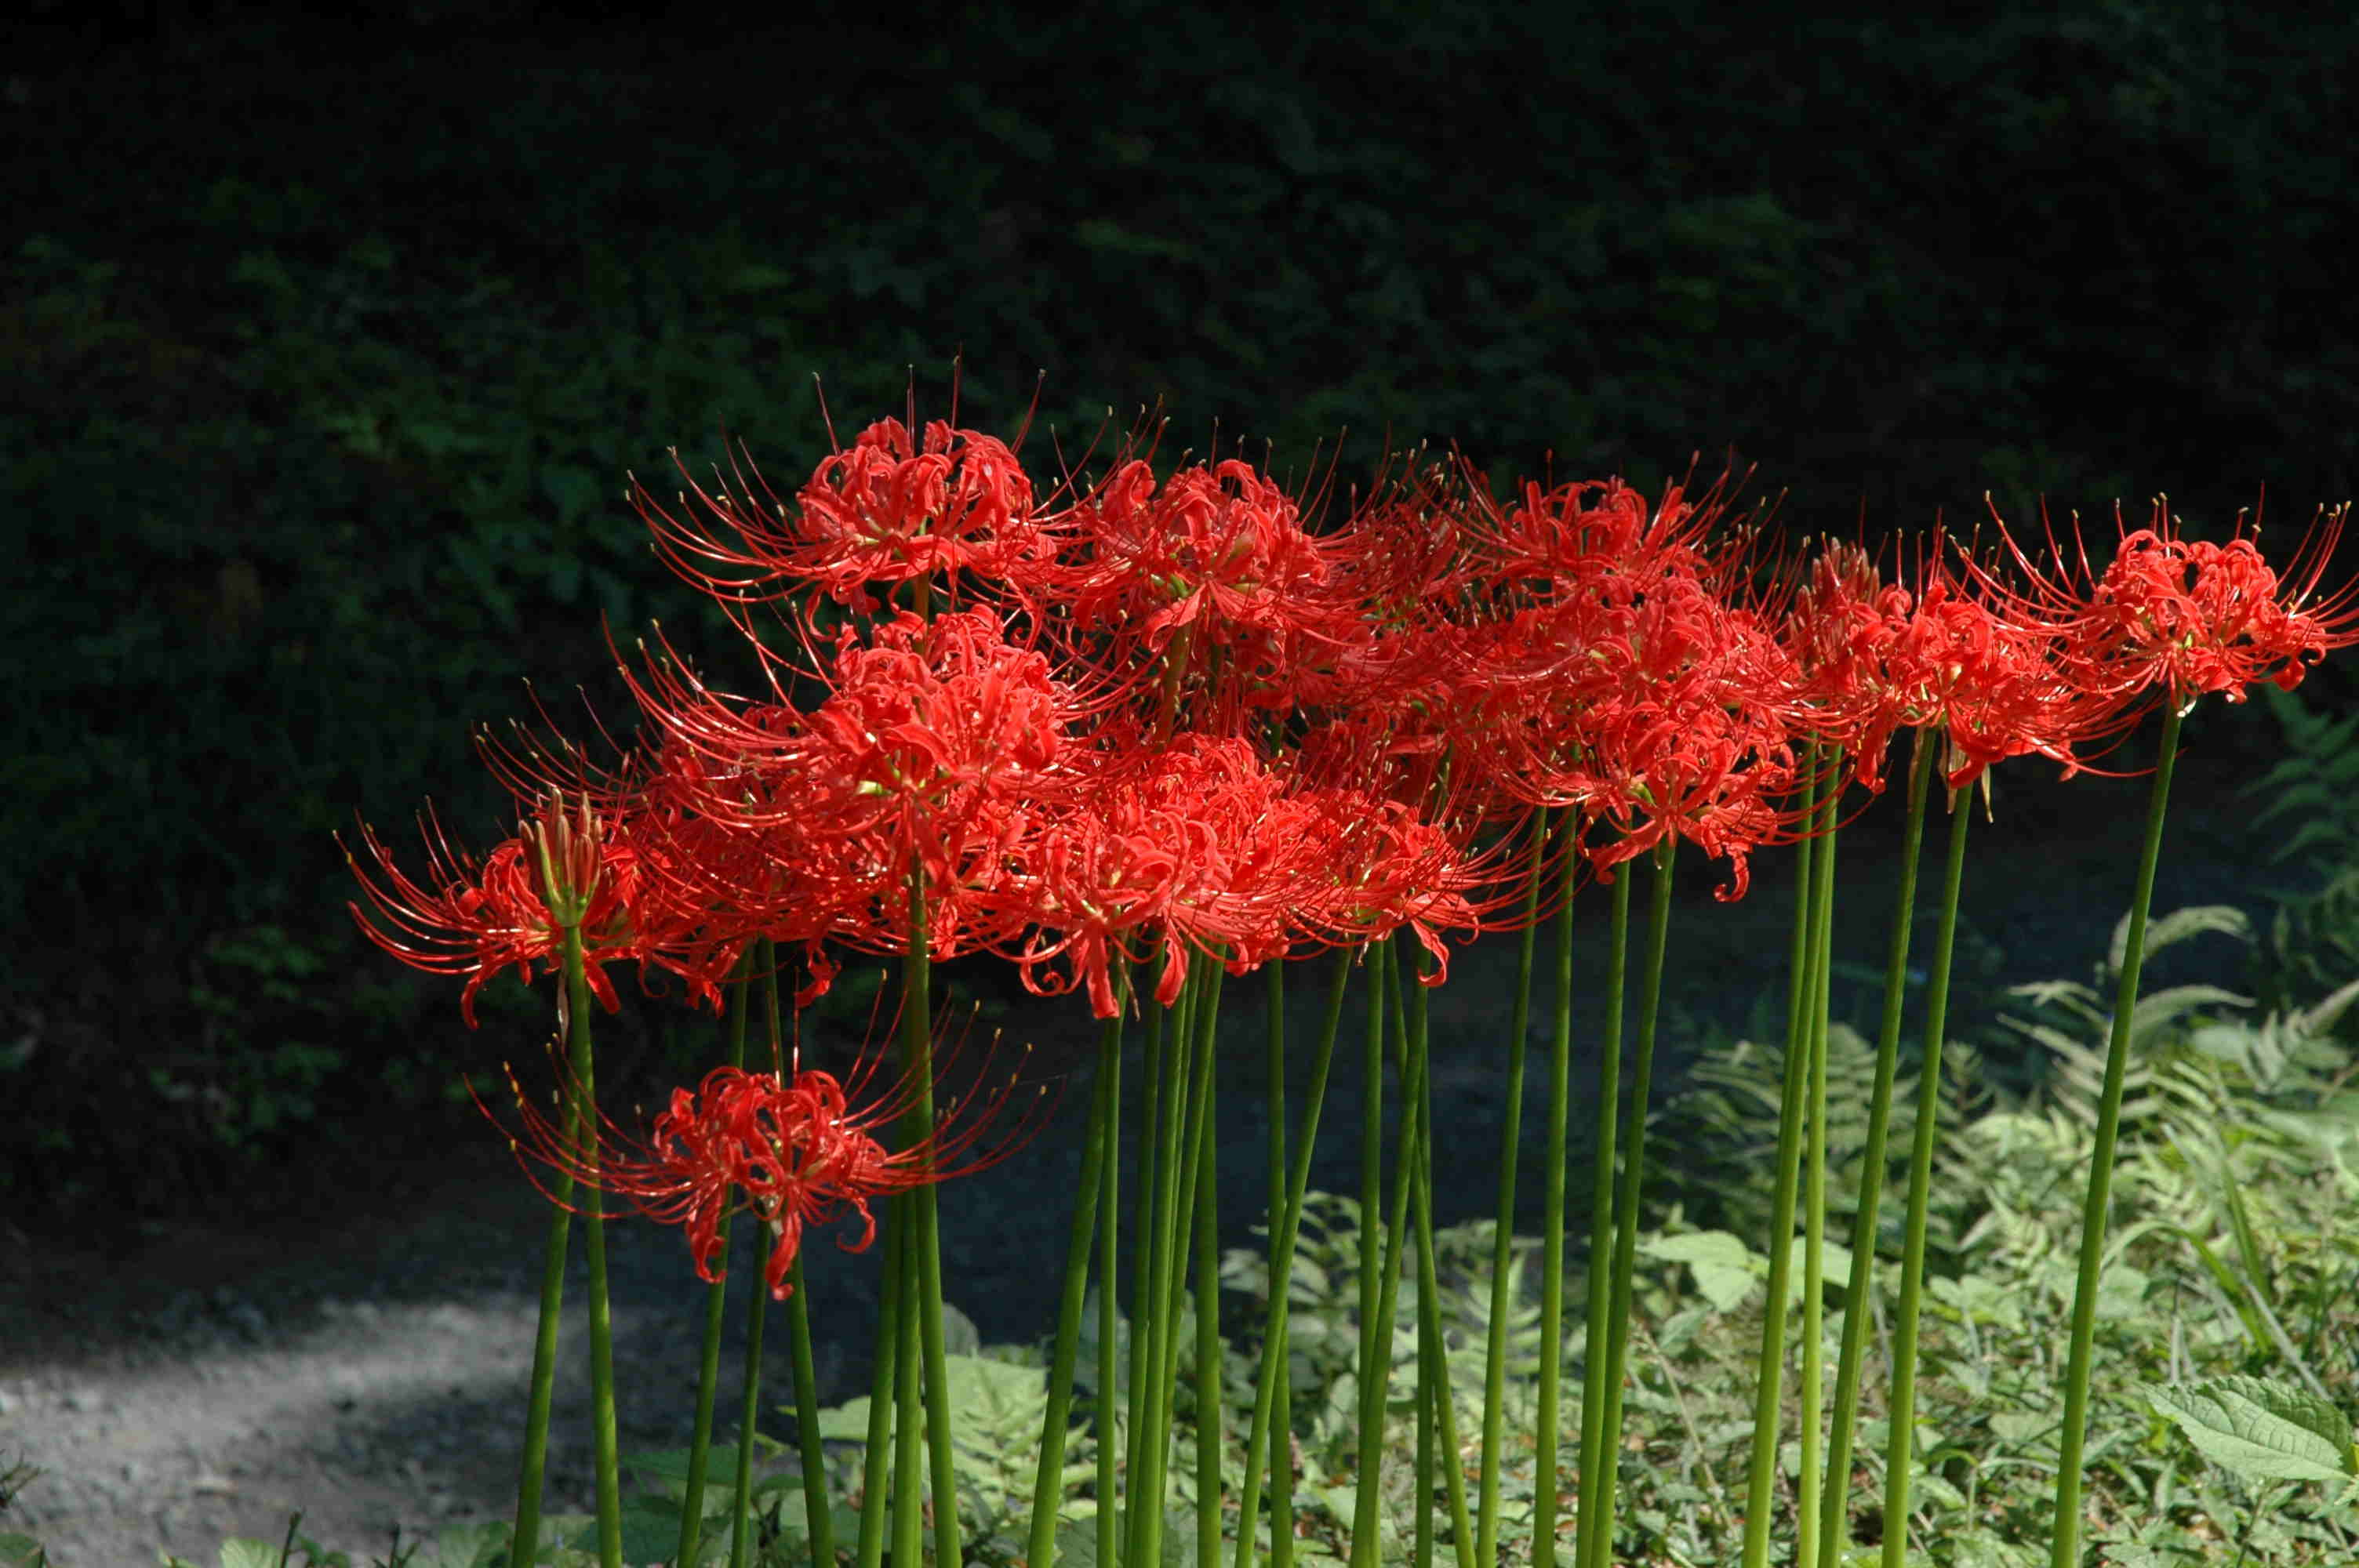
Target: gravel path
[371,1373]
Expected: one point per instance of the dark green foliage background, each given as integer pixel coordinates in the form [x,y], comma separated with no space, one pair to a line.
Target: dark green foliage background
[326,351]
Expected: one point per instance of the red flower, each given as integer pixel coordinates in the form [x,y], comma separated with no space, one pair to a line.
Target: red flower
[510,909]
[1875,659]
[2187,616]
[786,1146]
[1210,579]
[881,511]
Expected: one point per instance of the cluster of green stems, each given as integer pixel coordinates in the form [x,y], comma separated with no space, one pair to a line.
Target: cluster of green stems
[1175,1211]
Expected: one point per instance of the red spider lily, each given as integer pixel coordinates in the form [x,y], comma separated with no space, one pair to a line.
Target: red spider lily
[1653,706]
[884,509]
[1206,846]
[786,1145]
[2186,616]
[1875,659]
[1373,868]
[1151,845]
[510,909]
[1593,537]
[1209,579]
[939,743]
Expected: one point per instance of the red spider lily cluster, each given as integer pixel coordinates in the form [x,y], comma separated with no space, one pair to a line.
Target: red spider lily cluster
[1132,720]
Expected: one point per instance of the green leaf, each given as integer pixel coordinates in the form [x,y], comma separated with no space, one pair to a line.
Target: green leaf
[2021,1426]
[650,1530]
[2261,1431]
[846,1422]
[244,1551]
[473,1545]
[22,1551]
[1724,1267]
[720,1461]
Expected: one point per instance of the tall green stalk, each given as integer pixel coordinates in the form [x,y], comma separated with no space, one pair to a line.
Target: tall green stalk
[1503,1241]
[1625,1222]
[908,1381]
[1770,1367]
[1276,1424]
[1269,1386]
[1202,1015]
[1048,1482]
[1902,1439]
[1109,1430]
[1551,1368]
[1210,1408]
[1157,1105]
[524,1539]
[883,1399]
[1151,1437]
[708,1371]
[757,1301]
[917,1053]
[1409,1056]
[1381,1259]
[1808,1481]
[1834,1525]
[2065,1541]
[1597,1346]
[1375,1377]
[819,1516]
[1441,1419]
[594,1237]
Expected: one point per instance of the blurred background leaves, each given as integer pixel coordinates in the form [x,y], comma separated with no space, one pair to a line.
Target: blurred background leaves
[324,349]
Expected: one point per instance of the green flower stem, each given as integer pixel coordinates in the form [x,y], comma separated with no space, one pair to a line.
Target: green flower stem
[757,1301]
[1808,1482]
[919,1207]
[1048,1482]
[1770,1368]
[939,1414]
[818,1505]
[1210,1407]
[525,1540]
[1269,1388]
[1897,1458]
[1372,1165]
[1495,1350]
[1109,1431]
[1146,1257]
[1178,1253]
[2065,1543]
[1370,1436]
[708,1380]
[1151,1435]
[1598,1338]
[883,1393]
[594,1237]
[1545,1479]
[1834,1526]
[1277,1423]
[708,1372]
[1197,1019]
[908,1375]
[1625,1225]
[1203,1011]
[1376,1382]
[1421,1545]
[1408,1060]
[1442,1419]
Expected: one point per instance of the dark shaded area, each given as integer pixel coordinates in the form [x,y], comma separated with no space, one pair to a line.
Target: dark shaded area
[326,347]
